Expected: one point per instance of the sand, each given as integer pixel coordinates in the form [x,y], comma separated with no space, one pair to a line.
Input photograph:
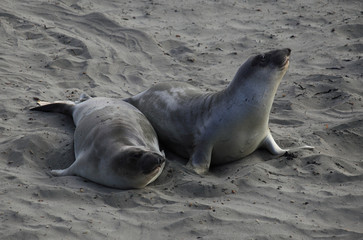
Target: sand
[55,50]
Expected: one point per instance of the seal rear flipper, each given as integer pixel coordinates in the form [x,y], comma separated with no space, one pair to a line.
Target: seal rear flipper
[128,100]
[83,97]
[201,158]
[65,107]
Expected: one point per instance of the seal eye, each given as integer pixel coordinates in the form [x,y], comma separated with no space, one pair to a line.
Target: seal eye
[263,58]
[136,155]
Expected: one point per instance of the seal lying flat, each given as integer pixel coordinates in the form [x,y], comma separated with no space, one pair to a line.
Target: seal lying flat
[217,127]
[114,143]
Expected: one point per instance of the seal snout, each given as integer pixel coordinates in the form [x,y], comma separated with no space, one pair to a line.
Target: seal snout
[151,162]
[287,57]
[282,58]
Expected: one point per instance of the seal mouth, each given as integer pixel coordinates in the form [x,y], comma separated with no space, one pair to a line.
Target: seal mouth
[155,168]
[285,63]
[287,58]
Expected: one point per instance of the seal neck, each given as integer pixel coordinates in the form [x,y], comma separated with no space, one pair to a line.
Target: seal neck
[256,89]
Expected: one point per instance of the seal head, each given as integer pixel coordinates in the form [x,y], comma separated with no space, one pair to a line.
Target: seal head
[137,166]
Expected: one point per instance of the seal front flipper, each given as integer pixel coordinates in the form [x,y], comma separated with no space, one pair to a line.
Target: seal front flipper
[64,172]
[200,159]
[76,168]
[270,144]
[60,172]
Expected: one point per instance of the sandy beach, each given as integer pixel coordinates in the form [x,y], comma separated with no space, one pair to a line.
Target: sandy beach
[56,50]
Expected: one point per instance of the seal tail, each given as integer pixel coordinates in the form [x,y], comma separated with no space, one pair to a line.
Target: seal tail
[65,107]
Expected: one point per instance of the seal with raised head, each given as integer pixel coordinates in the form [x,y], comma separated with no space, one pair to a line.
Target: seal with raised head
[215,128]
[115,145]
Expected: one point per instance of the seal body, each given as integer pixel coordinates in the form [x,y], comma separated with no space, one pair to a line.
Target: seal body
[114,143]
[215,128]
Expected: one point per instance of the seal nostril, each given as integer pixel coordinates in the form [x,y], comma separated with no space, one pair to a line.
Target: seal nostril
[161,160]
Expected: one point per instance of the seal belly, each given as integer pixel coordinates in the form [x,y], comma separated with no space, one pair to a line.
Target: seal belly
[236,146]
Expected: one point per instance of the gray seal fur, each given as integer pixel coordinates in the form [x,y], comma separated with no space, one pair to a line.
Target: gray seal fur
[216,128]
[114,143]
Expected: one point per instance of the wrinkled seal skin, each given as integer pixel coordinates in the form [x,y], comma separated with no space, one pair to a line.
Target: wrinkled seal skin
[114,143]
[216,128]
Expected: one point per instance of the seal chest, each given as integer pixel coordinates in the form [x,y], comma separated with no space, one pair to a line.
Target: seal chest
[219,127]
[114,143]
